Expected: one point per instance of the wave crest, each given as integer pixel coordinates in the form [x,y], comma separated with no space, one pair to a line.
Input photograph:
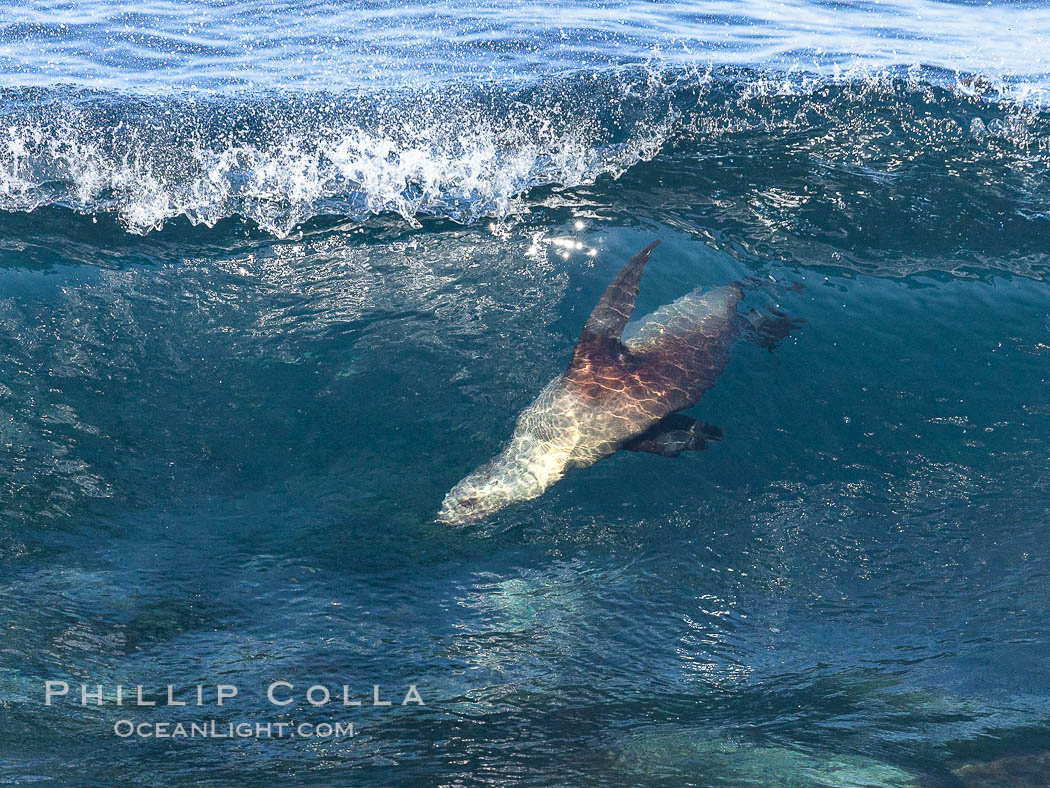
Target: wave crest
[280,161]
[471,153]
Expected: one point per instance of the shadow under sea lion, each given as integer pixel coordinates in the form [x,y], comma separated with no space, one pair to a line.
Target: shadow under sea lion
[618,394]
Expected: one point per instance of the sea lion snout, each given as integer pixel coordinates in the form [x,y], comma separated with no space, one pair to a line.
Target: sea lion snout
[475,497]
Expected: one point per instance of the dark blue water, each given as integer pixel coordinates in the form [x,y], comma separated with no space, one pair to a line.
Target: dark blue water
[273,277]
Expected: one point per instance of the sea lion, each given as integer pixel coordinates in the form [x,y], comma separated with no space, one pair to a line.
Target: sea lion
[618,393]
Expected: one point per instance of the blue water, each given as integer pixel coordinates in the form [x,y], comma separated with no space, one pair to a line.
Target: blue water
[274,276]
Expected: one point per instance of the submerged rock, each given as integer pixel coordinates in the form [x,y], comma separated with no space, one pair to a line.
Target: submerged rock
[728,762]
[1031,770]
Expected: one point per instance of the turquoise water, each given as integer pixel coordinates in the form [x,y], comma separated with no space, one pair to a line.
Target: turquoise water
[274,277]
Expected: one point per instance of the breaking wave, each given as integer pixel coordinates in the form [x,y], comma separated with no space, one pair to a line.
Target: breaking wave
[281,160]
[853,143]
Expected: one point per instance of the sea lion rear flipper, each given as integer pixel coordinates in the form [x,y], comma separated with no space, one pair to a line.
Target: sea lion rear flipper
[674,434]
[767,328]
[614,308]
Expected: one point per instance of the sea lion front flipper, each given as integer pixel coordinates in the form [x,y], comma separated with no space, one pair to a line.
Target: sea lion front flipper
[674,434]
[614,308]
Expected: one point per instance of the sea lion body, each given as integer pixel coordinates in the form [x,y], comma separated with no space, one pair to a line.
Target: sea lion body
[615,394]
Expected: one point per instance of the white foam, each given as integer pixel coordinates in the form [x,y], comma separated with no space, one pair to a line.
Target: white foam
[280,168]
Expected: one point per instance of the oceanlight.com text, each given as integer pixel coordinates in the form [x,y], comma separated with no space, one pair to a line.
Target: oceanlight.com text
[214,729]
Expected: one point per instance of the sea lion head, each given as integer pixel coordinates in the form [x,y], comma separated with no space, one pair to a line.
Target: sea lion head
[485,491]
[538,454]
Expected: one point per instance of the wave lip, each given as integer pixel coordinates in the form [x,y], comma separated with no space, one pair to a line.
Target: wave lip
[767,147]
[279,161]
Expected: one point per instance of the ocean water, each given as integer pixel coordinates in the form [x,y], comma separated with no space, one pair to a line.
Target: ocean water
[275,275]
